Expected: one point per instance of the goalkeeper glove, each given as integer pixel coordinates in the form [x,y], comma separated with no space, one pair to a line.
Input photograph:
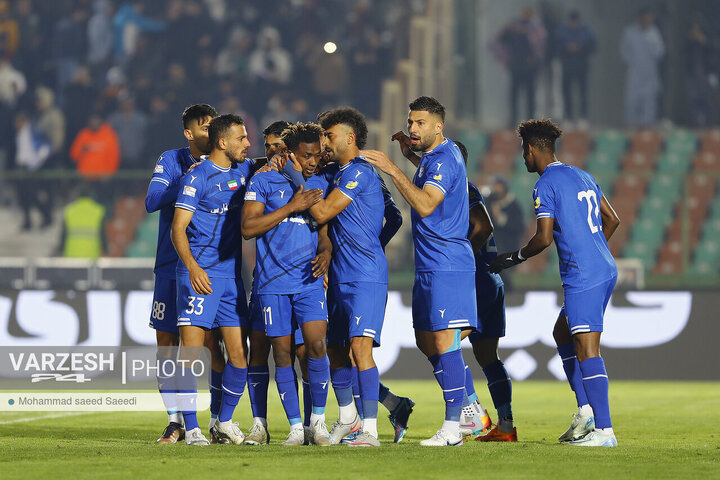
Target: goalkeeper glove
[506,260]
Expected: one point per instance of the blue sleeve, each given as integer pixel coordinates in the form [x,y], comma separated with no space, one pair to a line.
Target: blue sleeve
[544,200]
[164,186]
[295,177]
[393,216]
[474,196]
[190,192]
[440,173]
[256,191]
[355,180]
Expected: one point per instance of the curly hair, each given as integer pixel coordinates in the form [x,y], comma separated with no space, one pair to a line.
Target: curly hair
[347,116]
[428,104]
[539,133]
[301,132]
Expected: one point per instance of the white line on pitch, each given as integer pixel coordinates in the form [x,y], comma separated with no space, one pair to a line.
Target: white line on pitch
[44,417]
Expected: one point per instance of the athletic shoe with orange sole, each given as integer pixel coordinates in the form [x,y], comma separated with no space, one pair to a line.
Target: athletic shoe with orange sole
[495,435]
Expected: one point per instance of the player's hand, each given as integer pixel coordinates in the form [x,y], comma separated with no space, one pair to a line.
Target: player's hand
[193,166]
[303,200]
[379,160]
[505,260]
[200,281]
[320,264]
[326,281]
[404,142]
[279,160]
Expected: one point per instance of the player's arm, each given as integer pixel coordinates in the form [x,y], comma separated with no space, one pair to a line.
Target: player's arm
[328,208]
[178,234]
[321,263]
[404,142]
[255,222]
[424,201]
[163,189]
[393,217]
[540,241]
[610,219]
[482,226]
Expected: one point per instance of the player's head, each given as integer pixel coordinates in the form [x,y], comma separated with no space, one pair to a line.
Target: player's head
[196,121]
[345,132]
[273,137]
[304,140]
[463,150]
[425,123]
[228,134]
[538,142]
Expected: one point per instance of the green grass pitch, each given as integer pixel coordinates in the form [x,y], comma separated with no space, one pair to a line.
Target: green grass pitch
[665,430]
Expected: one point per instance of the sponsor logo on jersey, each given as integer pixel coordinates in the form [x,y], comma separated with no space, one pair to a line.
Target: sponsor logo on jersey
[159,169]
[232,184]
[250,196]
[189,191]
[350,185]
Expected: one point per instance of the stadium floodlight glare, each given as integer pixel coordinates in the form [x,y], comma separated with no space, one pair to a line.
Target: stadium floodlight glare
[330,47]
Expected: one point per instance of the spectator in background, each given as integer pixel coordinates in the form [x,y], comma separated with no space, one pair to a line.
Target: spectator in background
[232,61]
[9,32]
[520,46]
[69,45]
[32,150]
[12,87]
[642,48]
[82,234]
[80,95]
[100,37]
[178,89]
[575,43]
[51,123]
[30,57]
[270,66]
[96,149]
[129,21]
[701,74]
[507,217]
[162,127]
[130,125]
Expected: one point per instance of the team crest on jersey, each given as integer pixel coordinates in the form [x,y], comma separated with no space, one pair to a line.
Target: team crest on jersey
[350,185]
[232,184]
[422,170]
[251,196]
[159,169]
[437,177]
[242,180]
[189,191]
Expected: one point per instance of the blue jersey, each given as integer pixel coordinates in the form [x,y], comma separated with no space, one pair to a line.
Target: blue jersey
[392,214]
[355,232]
[215,194]
[284,252]
[571,197]
[161,195]
[440,239]
[487,252]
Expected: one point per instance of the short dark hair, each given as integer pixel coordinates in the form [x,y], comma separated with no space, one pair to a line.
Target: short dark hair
[300,132]
[276,128]
[220,125]
[347,116]
[539,133]
[199,111]
[428,104]
[463,150]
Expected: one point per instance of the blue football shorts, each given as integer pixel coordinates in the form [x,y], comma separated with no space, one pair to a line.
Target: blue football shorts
[490,303]
[162,315]
[357,309]
[443,300]
[283,314]
[225,307]
[585,310]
